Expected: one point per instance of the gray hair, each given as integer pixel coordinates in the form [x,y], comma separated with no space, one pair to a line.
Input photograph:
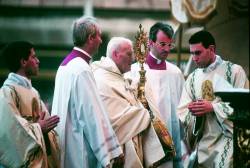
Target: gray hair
[115,43]
[82,28]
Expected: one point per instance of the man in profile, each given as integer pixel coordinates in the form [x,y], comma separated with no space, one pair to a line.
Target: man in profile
[26,135]
[87,139]
[130,120]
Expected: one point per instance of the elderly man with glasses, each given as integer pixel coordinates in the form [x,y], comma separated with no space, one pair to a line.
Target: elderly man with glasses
[164,82]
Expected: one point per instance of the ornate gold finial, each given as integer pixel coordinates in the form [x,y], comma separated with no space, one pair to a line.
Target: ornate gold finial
[141,51]
[141,47]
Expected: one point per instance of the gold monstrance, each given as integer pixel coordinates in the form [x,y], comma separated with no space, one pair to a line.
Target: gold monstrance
[141,51]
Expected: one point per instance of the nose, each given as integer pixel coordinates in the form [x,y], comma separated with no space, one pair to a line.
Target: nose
[166,48]
[195,59]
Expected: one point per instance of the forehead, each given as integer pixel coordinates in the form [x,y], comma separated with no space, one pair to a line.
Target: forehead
[32,51]
[126,47]
[198,46]
[161,36]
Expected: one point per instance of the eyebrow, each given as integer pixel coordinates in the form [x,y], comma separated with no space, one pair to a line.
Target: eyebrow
[195,52]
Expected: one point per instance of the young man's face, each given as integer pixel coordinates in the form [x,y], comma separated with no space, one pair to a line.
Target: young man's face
[162,46]
[31,65]
[202,56]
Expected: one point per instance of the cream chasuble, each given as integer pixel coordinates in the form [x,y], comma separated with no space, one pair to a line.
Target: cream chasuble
[128,117]
[215,148]
[22,141]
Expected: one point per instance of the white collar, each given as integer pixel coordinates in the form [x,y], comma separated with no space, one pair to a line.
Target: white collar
[82,51]
[14,78]
[214,65]
[157,60]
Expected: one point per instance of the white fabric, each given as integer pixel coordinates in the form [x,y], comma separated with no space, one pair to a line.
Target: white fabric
[199,10]
[164,88]
[128,116]
[21,138]
[218,130]
[81,50]
[87,139]
[179,11]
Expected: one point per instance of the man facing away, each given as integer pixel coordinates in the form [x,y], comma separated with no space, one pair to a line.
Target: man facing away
[215,145]
[85,133]
[130,120]
[26,135]
[164,80]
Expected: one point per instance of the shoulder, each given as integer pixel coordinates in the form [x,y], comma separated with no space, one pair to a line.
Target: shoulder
[35,91]
[193,74]
[76,66]
[173,68]
[7,91]
[234,68]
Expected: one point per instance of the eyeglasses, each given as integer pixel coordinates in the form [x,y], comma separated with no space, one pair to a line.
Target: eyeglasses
[195,53]
[163,45]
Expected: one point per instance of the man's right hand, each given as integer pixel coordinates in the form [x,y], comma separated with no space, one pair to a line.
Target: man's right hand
[48,123]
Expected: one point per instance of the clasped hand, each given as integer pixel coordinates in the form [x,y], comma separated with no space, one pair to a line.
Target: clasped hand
[200,107]
[48,123]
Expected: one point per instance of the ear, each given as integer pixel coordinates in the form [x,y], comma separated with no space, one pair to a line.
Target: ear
[150,43]
[212,48]
[114,54]
[23,62]
[90,38]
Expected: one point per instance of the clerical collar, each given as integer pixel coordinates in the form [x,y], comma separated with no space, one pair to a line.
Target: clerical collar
[76,52]
[157,60]
[214,65]
[155,63]
[82,51]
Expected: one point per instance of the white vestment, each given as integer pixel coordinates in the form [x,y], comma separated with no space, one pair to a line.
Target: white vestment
[86,137]
[128,117]
[215,148]
[164,86]
[21,139]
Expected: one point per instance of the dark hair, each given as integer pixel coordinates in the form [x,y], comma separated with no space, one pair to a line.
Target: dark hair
[167,29]
[203,37]
[15,51]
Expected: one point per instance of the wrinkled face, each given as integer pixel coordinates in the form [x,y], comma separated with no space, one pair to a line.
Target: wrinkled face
[202,56]
[124,57]
[31,65]
[162,46]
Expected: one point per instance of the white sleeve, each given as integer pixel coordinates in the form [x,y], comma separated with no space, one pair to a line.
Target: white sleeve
[93,118]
